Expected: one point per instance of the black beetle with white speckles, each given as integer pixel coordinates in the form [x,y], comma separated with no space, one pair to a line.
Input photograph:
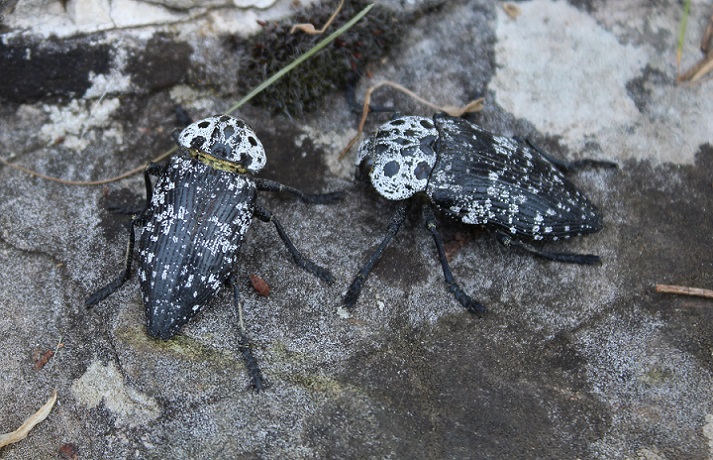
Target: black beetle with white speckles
[194,222]
[458,169]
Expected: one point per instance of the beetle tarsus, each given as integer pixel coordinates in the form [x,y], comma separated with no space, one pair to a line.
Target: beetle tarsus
[466,301]
[251,364]
[352,295]
[107,290]
[244,345]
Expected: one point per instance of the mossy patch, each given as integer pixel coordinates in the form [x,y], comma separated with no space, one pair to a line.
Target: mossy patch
[336,68]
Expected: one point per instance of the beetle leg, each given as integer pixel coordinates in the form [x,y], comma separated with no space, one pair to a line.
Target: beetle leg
[112,287]
[568,166]
[267,185]
[355,288]
[471,305]
[300,260]
[152,169]
[245,347]
[138,219]
[566,257]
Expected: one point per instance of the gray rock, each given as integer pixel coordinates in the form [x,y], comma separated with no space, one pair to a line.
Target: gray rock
[571,362]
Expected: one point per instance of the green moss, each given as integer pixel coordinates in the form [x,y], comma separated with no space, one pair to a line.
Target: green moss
[318,383]
[657,376]
[180,345]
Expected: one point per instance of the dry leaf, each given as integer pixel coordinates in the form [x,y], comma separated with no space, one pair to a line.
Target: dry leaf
[21,433]
[260,285]
[42,359]
[511,10]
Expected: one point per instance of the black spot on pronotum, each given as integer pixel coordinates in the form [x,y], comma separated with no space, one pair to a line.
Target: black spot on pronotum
[197,142]
[422,170]
[391,169]
[426,124]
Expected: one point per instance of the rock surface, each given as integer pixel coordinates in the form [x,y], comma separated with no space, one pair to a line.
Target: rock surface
[571,362]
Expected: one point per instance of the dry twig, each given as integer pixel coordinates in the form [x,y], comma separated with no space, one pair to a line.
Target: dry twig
[684,290]
[309,28]
[454,111]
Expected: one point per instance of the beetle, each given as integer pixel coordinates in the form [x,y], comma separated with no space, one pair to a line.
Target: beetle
[456,168]
[194,222]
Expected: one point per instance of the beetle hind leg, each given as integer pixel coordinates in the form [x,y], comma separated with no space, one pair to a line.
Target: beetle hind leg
[566,257]
[244,345]
[468,303]
[568,166]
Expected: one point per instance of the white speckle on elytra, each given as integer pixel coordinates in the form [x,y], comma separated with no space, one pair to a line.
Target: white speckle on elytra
[490,180]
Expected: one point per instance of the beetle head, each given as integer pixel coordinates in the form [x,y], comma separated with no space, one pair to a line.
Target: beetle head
[400,156]
[224,139]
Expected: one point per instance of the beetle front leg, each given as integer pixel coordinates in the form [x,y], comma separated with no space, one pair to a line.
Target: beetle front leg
[245,347]
[471,305]
[267,185]
[566,257]
[354,290]
[300,260]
